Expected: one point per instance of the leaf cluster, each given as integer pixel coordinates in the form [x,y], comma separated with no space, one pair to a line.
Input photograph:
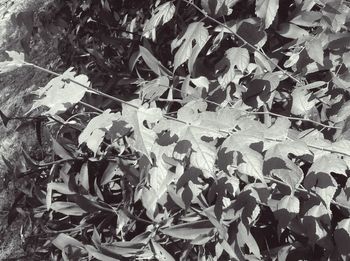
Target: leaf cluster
[235,145]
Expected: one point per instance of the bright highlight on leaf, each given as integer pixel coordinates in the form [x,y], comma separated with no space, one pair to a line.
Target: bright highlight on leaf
[61,93]
[161,15]
[267,10]
[190,43]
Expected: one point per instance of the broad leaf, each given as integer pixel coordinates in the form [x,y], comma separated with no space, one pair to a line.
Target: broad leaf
[152,90]
[315,50]
[195,32]
[161,15]
[235,58]
[144,137]
[95,131]
[218,8]
[287,208]
[61,93]
[342,236]
[303,101]
[266,10]
[16,62]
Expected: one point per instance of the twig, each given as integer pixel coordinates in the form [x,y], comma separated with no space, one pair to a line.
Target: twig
[243,40]
[294,118]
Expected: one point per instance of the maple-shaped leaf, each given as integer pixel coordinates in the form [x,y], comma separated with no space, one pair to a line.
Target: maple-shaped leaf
[249,161]
[152,90]
[315,50]
[142,120]
[190,43]
[16,62]
[303,101]
[235,58]
[278,131]
[161,15]
[266,10]
[278,164]
[193,131]
[158,178]
[218,8]
[342,236]
[60,93]
[95,131]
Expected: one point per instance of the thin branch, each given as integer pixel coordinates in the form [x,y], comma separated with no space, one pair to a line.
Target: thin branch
[175,119]
[294,119]
[243,40]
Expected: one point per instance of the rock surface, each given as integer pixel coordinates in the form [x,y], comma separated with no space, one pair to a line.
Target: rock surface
[15,99]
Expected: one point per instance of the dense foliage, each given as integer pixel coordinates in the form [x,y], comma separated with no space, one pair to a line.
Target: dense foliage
[185,130]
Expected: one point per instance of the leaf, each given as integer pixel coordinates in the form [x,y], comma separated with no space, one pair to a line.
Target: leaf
[307,18]
[63,240]
[342,236]
[319,176]
[4,118]
[60,150]
[83,177]
[17,61]
[160,16]
[245,237]
[160,253]
[248,160]
[156,66]
[67,208]
[122,249]
[218,8]
[287,208]
[189,231]
[279,165]
[144,136]
[303,101]
[97,254]
[235,57]
[152,90]
[195,32]
[59,187]
[95,131]
[60,93]
[315,50]
[16,56]
[266,10]
[292,31]
[111,171]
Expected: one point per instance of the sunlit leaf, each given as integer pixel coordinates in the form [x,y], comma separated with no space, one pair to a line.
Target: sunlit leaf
[267,10]
[195,32]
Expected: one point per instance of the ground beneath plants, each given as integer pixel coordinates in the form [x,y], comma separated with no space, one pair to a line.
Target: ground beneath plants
[15,99]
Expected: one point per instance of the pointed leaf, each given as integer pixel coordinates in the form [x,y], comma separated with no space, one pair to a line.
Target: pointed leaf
[161,15]
[267,10]
[189,231]
[195,32]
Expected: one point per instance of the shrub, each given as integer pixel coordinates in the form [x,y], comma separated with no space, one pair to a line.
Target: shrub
[236,147]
